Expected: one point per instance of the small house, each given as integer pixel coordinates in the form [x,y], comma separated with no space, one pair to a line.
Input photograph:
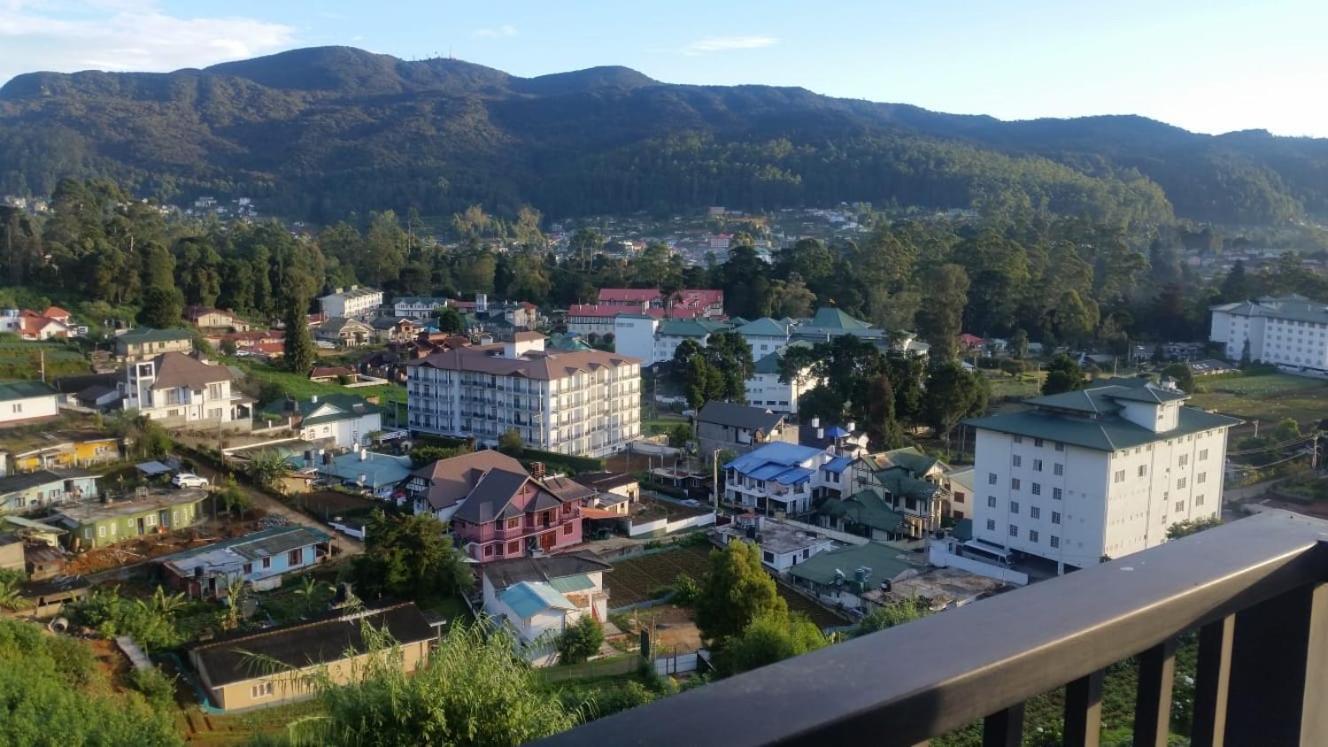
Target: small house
[26,491]
[146,342]
[96,524]
[27,401]
[259,560]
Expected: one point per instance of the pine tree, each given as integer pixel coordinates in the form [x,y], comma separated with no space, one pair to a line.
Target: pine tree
[300,354]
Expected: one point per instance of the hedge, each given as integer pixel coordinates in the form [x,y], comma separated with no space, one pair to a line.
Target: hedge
[568,462]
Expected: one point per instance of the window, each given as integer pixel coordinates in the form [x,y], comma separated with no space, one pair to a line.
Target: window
[150,520]
[101,531]
[1037,488]
[1032,535]
[1058,469]
[514,523]
[1034,512]
[1014,483]
[1018,439]
[567,528]
[991,525]
[1180,483]
[513,547]
[1056,493]
[1200,478]
[295,557]
[1014,507]
[248,568]
[768,556]
[1060,446]
[1017,460]
[1054,541]
[958,497]
[991,478]
[267,563]
[1014,531]
[1198,500]
[1037,465]
[17,407]
[1120,475]
[261,690]
[1203,454]
[991,501]
[488,550]
[1037,442]
[1180,506]
[1055,517]
[1143,470]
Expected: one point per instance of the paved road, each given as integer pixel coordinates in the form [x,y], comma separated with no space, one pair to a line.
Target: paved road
[345,545]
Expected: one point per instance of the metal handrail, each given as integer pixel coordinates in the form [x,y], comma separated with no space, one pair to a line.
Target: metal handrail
[924,679]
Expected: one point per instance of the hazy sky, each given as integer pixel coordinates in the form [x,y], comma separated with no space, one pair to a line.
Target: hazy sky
[1210,66]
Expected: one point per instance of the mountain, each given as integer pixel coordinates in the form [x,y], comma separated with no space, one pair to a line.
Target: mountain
[318,133]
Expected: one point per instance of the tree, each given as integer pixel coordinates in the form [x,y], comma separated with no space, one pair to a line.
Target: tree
[952,394]
[769,638]
[1236,286]
[162,308]
[11,597]
[1182,375]
[409,558]
[510,442]
[892,614]
[1192,526]
[1019,343]
[472,690]
[1063,375]
[579,641]
[882,429]
[450,320]
[940,320]
[679,435]
[298,344]
[266,467]
[233,499]
[735,590]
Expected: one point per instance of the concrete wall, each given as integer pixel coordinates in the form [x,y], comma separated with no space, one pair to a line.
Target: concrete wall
[939,554]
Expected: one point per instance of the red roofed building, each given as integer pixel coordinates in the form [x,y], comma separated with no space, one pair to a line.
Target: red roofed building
[29,325]
[57,313]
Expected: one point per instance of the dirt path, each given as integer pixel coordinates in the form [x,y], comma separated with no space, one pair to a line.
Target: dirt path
[345,545]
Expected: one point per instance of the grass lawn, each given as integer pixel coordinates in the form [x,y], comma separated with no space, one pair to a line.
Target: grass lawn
[1020,387]
[206,729]
[661,424]
[22,360]
[1267,397]
[301,387]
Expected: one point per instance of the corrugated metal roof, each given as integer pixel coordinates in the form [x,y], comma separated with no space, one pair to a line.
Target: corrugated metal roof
[568,584]
[528,599]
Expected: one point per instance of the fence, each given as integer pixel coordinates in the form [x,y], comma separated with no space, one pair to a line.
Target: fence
[682,663]
[940,555]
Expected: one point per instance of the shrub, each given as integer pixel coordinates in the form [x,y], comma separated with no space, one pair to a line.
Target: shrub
[156,686]
[685,590]
[579,641]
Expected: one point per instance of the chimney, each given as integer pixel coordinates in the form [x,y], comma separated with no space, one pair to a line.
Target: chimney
[537,470]
[816,422]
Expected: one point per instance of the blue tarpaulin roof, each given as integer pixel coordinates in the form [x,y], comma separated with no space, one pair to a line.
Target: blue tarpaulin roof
[837,465]
[152,469]
[527,599]
[835,431]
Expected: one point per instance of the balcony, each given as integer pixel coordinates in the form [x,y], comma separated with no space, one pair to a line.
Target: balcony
[1254,590]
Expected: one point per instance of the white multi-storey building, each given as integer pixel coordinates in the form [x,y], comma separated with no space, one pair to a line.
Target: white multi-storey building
[179,390]
[1096,473]
[1291,332]
[586,403]
[764,389]
[782,477]
[355,303]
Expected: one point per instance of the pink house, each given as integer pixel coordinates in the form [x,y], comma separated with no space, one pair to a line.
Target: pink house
[505,513]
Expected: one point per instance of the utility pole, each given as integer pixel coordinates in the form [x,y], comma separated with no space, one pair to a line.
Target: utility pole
[714,477]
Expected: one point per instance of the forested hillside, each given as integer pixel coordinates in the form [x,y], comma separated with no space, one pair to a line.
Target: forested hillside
[323,132]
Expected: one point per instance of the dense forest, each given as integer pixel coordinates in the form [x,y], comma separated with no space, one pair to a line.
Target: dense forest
[317,134]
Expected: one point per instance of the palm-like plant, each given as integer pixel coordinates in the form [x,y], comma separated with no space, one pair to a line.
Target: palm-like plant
[10,599]
[308,593]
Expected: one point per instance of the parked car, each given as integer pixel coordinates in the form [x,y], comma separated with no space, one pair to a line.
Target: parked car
[188,480]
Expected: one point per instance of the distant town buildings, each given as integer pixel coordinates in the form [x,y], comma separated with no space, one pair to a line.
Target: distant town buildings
[1291,332]
[354,303]
[1096,473]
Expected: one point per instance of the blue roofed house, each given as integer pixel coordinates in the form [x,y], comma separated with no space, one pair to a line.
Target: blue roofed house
[259,560]
[380,475]
[537,598]
[782,477]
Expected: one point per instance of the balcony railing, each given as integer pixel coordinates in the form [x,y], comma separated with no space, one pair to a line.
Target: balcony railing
[1254,590]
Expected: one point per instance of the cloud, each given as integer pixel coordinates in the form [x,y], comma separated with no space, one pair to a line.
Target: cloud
[727,44]
[497,32]
[125,35]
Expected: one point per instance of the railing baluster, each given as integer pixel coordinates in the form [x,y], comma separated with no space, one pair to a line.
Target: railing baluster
[1004,728]
[1212,682]
[1083,711]
[1279,671]
[1152,709]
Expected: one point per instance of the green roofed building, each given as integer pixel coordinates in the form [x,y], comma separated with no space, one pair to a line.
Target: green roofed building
[146,342]
[840,577]
[1096,473]
[912,484]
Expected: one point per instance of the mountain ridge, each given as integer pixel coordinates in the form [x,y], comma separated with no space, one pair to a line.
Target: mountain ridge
[446,132]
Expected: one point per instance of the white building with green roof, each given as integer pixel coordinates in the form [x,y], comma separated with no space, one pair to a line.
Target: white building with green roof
[1097,473]
[1291,332]
[25,401]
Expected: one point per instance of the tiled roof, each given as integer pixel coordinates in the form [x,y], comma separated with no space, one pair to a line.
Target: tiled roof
[148,334]
[452,479]
[1108,433]
[504,573]
[763,327]
[179,370]
[739,416]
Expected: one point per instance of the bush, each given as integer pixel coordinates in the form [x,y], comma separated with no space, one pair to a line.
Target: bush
[563,462]
[156,686]
[149,624]
[579,641]
[685,590]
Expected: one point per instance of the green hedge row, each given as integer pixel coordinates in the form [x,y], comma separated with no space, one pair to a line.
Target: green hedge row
[565,462]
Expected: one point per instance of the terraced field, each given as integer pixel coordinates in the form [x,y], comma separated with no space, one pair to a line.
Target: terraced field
[632,580]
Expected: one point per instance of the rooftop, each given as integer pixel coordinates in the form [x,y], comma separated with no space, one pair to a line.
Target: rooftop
[149,334]
[740,416]
[179,370]
[776,536]
[83,513]
[232,659]
[24,480]
[24,390]
[865,507]
[883,561]
[1108,433]
[776,461]
[538,365]
[529,598]
[353,293]
[233,553]
[374,471]
[451,480]
[504,573]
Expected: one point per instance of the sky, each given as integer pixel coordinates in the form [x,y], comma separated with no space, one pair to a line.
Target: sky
[1212,66]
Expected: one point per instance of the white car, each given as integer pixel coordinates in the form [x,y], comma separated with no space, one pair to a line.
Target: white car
[189,480]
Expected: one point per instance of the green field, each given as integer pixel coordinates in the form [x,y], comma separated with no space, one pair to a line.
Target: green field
[1266,397]
[22,360]
[300,387]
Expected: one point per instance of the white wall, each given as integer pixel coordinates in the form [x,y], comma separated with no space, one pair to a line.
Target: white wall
[635,337]
[27,408]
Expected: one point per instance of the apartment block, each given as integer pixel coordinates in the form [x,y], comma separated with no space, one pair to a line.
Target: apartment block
[585,403]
